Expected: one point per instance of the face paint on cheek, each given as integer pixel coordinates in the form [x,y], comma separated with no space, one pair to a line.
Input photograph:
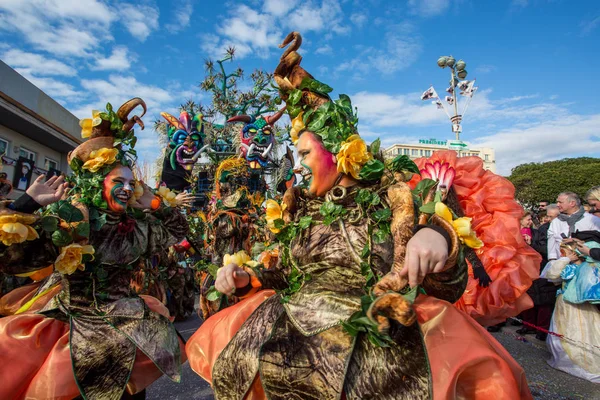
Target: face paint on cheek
[109,195]
[324,170]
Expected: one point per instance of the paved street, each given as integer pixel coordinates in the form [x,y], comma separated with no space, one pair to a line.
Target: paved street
[545,382]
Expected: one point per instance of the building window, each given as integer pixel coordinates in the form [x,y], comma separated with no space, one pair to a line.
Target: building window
[406,152]
[487,157]
[415,152]
[50,163]
[3,146]
[421,153]
[427,153]
[23,152]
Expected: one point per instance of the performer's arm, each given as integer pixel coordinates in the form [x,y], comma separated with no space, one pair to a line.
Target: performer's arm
[167,226]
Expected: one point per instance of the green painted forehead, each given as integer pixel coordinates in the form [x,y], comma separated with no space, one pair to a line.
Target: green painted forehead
[260,123]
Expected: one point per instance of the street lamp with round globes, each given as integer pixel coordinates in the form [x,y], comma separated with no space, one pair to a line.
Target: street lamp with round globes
[458,74]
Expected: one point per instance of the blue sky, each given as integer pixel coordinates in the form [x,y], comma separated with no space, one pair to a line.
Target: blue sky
[535,61]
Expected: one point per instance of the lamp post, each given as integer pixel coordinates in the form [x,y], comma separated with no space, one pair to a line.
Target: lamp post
[458,73]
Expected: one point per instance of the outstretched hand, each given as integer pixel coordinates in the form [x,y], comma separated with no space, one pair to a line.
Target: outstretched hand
[230,278]
[426,253]
[185,199]
[48,192]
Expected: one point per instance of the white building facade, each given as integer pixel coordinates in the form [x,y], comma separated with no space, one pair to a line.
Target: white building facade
[426,147]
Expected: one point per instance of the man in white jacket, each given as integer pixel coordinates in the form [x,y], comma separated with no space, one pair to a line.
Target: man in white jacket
[573,218]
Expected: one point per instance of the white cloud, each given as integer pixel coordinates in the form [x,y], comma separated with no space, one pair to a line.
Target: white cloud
[52,87]
[570,136]
[400,48]
[312,17]
[278,8]
[183,13]
[119,60]
[259,32]
[139,20]
[245,30]
[518,128]
[485,69]
[428,8]
[61,27]
[589,25]
[327,49]
[358,19]
[36,64]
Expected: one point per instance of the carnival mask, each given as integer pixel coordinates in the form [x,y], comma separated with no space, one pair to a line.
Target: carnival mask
[117,188]
[186,137]
[319,167]
[257,138]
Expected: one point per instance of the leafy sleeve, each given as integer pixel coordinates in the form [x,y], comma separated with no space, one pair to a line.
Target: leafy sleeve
[167,227]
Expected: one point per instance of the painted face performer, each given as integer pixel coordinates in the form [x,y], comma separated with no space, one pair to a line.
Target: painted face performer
[346,319]
[84,331]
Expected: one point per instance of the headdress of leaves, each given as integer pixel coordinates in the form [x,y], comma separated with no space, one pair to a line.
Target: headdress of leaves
[334,121]
[115,131]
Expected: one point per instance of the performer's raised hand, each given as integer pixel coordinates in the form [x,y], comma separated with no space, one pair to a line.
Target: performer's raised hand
[230,278]
[48,192]
[185,199]
[426,253]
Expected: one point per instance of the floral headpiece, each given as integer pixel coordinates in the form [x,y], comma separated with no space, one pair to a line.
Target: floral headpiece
[111,140]
[335,122]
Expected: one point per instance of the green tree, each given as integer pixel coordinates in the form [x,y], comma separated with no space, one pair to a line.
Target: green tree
[535,182]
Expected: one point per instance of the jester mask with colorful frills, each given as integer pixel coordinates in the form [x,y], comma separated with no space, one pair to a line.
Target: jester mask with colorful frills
[186,138]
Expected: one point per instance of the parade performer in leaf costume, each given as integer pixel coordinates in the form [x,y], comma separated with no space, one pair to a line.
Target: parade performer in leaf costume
[359,306]
[84,332]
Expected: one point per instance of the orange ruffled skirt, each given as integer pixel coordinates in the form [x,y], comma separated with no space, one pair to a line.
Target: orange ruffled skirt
[466,362]
[489,200]
[38,352]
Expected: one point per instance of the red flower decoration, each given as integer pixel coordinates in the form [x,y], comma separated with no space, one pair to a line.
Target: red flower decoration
[441,172]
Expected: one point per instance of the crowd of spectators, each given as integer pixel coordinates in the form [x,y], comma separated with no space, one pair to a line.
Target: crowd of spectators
[566,296]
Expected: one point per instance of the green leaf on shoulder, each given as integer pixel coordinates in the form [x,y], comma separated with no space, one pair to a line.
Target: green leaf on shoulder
[305,222]
[49,223]
[428,208]
[69,212]
[213,294]
[83,229]
[375,147]
[61,238]
[403,163]
[372,170]
[382,215]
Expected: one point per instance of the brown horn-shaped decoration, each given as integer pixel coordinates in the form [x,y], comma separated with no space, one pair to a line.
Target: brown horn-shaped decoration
[241,118]
[172,120]
[124,111]
[271,119]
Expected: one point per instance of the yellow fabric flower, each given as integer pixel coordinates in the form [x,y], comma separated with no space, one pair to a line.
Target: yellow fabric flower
[88,124]
[274,212]
[352,156]
[71,258]
[15,228]
[240,258]
[297,126]
[100,158]
[169,197]
[462,226]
